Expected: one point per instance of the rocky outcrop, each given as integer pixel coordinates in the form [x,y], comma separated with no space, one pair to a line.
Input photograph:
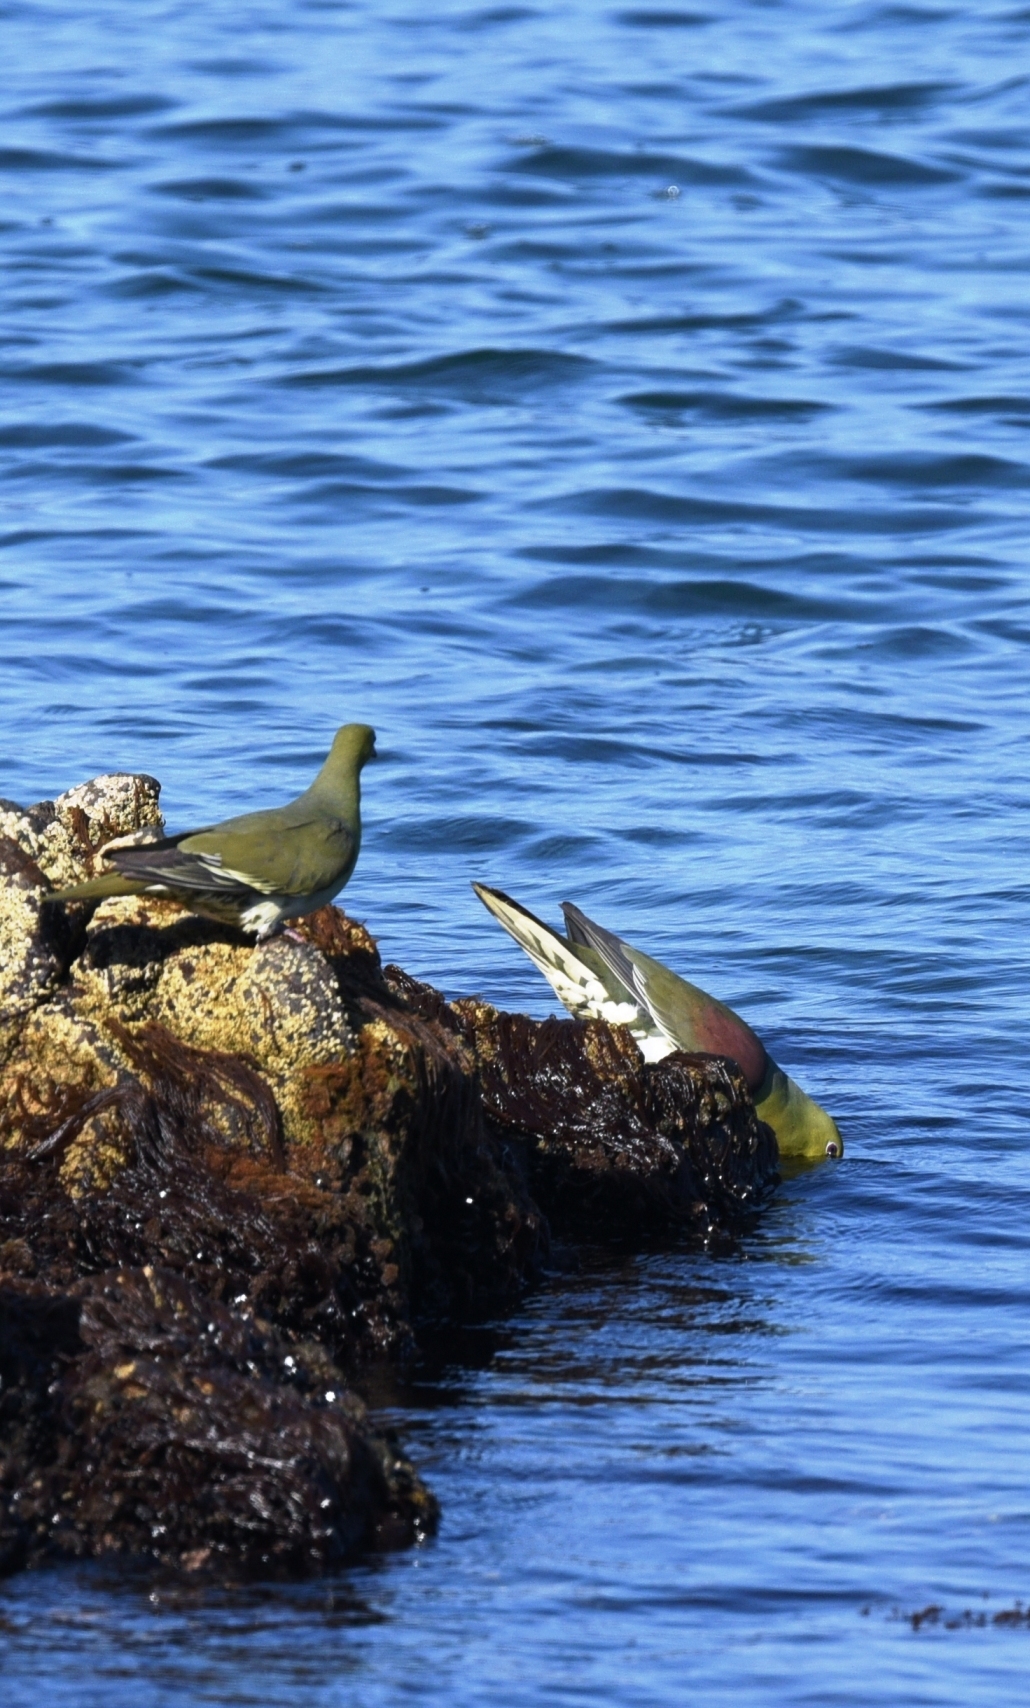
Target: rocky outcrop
[231,1174]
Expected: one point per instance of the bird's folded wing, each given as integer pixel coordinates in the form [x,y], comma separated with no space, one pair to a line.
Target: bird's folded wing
[166,864]
[687,1015]
[604,943]
[293,861]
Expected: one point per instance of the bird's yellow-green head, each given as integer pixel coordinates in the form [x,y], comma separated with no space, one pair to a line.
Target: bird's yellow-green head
[353,746]
[804,1131]
[337,784]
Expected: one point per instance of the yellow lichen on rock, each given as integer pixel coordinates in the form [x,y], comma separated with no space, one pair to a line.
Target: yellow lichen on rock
[276,1003]
[96,1156]
[59,1045]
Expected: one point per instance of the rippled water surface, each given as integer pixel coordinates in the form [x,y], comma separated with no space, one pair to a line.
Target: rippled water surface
[626,411]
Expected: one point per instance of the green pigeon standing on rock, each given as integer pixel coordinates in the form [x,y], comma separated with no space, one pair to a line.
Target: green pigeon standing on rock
[260,869]
[599,976]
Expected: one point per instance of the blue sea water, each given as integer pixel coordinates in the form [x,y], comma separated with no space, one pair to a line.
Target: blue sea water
[625,408]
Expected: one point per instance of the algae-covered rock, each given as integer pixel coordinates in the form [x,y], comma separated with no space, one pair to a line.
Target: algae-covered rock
[613,1147]
[141,1417]
[173,1331]
[231,1173]
[277,1003]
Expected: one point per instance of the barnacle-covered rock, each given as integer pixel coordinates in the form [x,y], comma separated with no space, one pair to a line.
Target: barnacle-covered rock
[65,835]
[42,847]
[31,961]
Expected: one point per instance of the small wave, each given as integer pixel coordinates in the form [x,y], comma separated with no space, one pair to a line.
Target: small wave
[919,641]
[211,190]
[483,374]
[230,131]
[866,166]
[724,406]
[864,356]
[49,160]
[745,320]
[576,163]
[32,436]
[73,373]
[247,131]
[650,18]
[234,65]
[469,833]
[491,15]
[421,495]
[94,473]
[883,99]
[306,465]
[233,277]
[639,504]
[1013,404]
[100,107]
[701,597]
[915,469]
[33,536]
[150,282]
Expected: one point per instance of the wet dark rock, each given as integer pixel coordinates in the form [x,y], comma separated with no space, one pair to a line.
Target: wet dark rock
[142,1417]
[612,1147]
[231,1176]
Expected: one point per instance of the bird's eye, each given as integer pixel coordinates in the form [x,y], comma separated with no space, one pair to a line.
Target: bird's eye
[832,1149]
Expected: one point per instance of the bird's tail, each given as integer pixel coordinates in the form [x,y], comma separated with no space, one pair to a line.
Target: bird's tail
[575,974]
[542,945]
[108,884]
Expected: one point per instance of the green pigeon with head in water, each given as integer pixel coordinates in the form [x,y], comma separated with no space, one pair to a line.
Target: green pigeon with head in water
[263,868]
[599,976]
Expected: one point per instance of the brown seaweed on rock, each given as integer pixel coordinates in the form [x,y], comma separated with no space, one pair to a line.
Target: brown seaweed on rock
[168,1351]
[141,1417]
[614,1148]
[232,1175]
[201,1189]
